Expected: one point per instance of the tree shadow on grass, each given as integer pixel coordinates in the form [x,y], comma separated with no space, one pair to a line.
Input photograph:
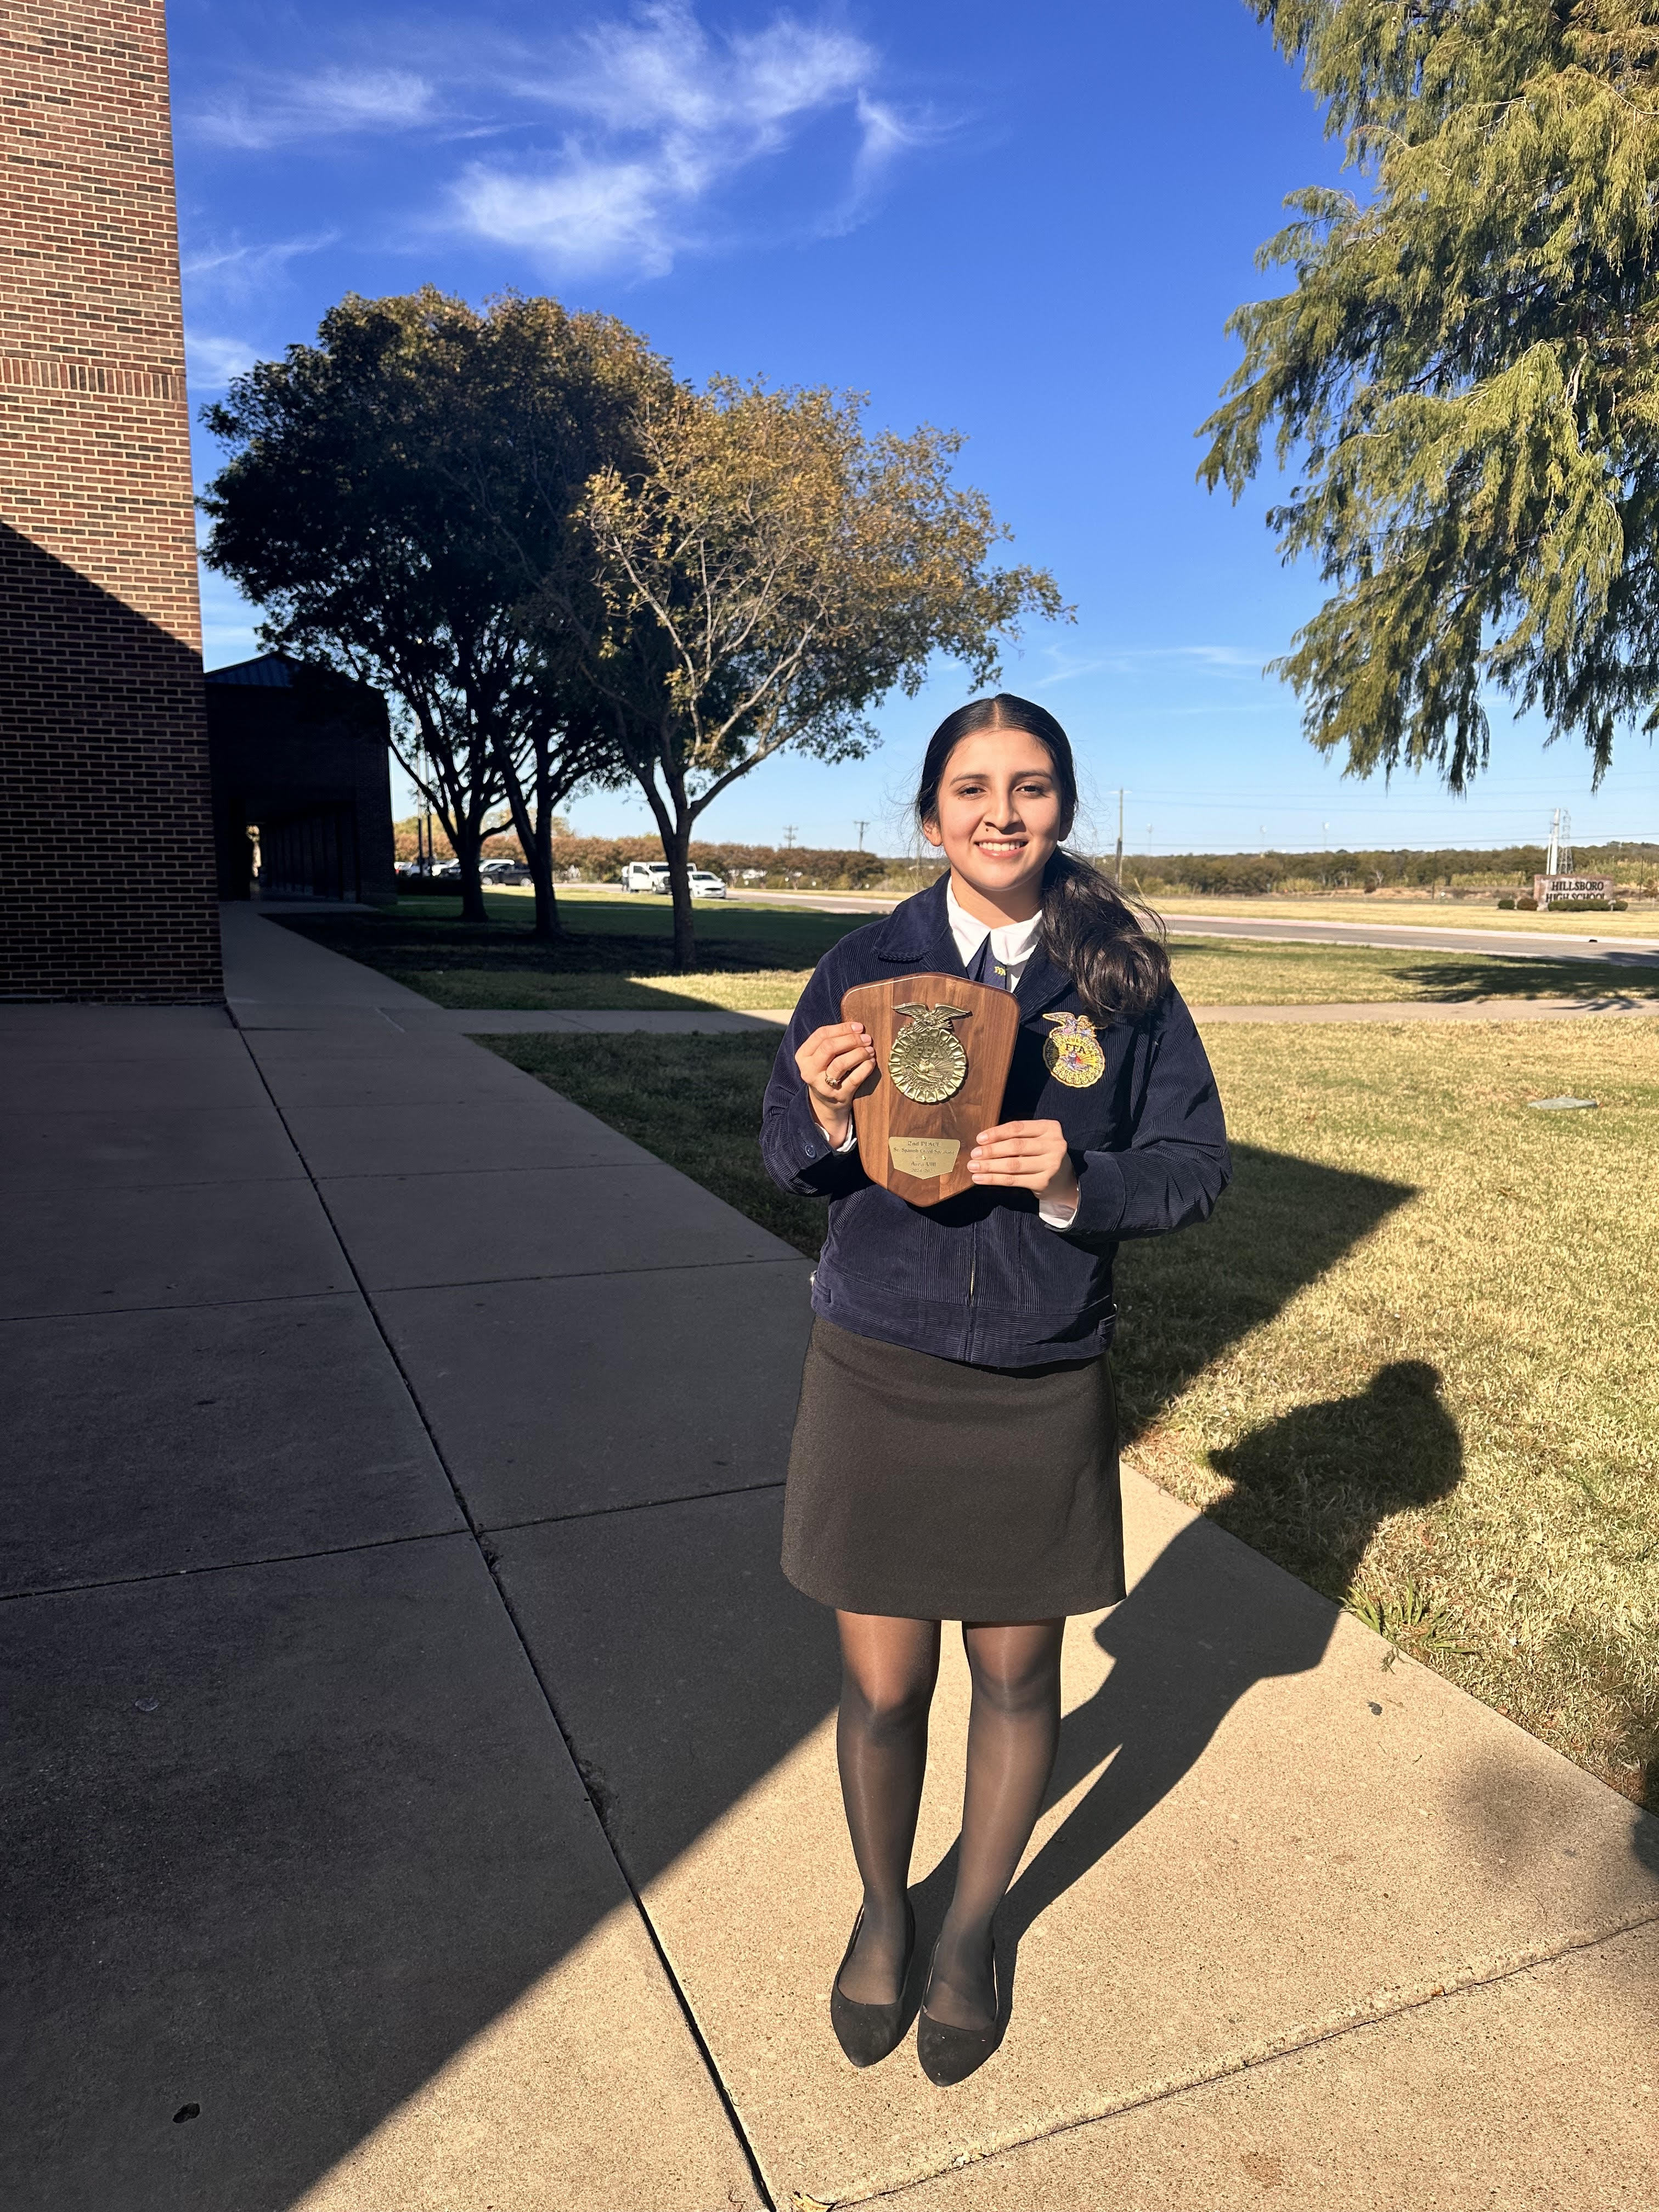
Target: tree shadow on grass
[1183,1300]
[1461,979]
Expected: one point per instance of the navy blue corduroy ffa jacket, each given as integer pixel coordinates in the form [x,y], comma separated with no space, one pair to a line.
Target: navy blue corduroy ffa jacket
[981,1278]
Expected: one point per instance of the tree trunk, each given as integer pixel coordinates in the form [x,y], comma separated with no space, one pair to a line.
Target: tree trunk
[469,851]
[676,849]
[535,841]
[539,853]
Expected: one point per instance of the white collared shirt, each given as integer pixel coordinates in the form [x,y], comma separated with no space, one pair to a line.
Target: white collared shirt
[1013,944]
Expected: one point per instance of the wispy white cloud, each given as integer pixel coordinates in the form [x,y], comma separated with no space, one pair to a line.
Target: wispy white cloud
[663,115]
[654,116]
[211,362]
[1228,661]
[585,214]
[886,134]
[238,272]
[278,110]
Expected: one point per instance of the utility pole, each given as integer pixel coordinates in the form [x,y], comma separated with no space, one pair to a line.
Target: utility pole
[1554,855]
[860,827]
[789,837]
[1117,865]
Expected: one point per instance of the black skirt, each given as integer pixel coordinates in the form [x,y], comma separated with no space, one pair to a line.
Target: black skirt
[939,1492]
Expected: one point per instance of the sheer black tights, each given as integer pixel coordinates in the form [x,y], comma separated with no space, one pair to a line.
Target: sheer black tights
[888,1668]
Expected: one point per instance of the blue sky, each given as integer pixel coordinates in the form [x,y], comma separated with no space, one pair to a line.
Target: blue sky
[1029,224]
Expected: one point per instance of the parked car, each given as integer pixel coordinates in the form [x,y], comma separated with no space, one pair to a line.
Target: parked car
[644,876]
[504,871]
[705,885]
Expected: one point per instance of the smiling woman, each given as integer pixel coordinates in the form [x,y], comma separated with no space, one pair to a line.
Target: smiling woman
[955,1451]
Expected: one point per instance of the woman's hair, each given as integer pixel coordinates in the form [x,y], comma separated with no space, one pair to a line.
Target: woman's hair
[1112,949]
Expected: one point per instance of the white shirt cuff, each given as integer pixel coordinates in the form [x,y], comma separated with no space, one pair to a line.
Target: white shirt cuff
[850,1139]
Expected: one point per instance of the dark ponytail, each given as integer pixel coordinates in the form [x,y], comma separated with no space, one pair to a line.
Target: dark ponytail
[1111,947]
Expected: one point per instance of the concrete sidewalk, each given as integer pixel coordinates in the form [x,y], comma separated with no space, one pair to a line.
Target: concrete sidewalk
[428,1776]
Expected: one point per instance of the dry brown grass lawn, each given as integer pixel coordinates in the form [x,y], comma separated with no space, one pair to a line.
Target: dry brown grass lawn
[1448,1408]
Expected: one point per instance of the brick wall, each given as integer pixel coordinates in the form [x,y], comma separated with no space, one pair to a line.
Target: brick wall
[103,737]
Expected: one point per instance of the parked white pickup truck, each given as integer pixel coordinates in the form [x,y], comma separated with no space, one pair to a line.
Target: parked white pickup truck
[644,876]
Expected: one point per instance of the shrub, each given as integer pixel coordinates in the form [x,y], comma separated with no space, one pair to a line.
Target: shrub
[1526,904]
[1506,905]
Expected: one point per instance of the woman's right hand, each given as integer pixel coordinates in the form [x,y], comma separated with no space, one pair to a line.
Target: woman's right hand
[835,1063]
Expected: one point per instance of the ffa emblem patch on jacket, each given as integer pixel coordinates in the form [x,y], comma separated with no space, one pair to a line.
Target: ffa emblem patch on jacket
[1072,1051]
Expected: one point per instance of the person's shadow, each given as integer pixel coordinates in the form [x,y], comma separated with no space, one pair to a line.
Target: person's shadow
[1210,1618]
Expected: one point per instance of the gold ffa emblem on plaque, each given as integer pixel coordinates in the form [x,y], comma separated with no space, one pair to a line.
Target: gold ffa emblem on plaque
[1072,1051]
[927,1062]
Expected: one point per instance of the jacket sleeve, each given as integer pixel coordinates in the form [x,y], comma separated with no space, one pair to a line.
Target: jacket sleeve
[797,1153]
[1175,1164]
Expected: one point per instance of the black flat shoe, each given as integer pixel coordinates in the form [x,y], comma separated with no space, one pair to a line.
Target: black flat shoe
[948,2054]
[867,2032]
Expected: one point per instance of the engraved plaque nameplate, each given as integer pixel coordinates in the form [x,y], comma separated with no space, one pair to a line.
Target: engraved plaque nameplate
[923,1156]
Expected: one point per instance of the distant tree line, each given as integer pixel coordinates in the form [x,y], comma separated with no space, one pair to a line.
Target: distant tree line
[1634,867]
[567,570]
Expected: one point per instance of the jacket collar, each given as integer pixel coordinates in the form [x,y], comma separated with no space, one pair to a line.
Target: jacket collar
[919,935]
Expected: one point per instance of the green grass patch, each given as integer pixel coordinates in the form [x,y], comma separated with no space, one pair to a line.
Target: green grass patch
[618,953]
[1410,1358]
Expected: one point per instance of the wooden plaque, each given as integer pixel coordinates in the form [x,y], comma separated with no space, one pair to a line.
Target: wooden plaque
[919,1147]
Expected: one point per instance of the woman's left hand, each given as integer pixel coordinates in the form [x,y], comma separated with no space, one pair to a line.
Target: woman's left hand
[1026,1156]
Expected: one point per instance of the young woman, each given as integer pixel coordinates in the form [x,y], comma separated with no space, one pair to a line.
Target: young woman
[955,1453]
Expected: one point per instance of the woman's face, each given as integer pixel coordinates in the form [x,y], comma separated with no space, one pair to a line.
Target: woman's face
[998,818]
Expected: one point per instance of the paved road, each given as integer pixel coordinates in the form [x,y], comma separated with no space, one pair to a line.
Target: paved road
[1627,952]
[1503,945]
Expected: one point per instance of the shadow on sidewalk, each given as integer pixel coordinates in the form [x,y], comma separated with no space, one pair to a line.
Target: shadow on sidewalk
[1186,1645]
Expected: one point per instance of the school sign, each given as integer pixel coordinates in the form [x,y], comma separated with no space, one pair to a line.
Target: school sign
[1549,890]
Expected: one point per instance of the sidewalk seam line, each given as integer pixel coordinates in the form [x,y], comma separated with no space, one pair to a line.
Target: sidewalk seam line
[180,1305]
[593,1274]
[634,1506]
[233,1566]
[486,1558]
[1272,2054]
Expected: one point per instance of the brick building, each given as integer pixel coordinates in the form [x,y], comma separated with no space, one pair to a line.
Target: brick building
[106,864]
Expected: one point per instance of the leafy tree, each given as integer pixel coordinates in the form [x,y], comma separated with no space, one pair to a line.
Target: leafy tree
[1466,372]
[757,579]
[393,492]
